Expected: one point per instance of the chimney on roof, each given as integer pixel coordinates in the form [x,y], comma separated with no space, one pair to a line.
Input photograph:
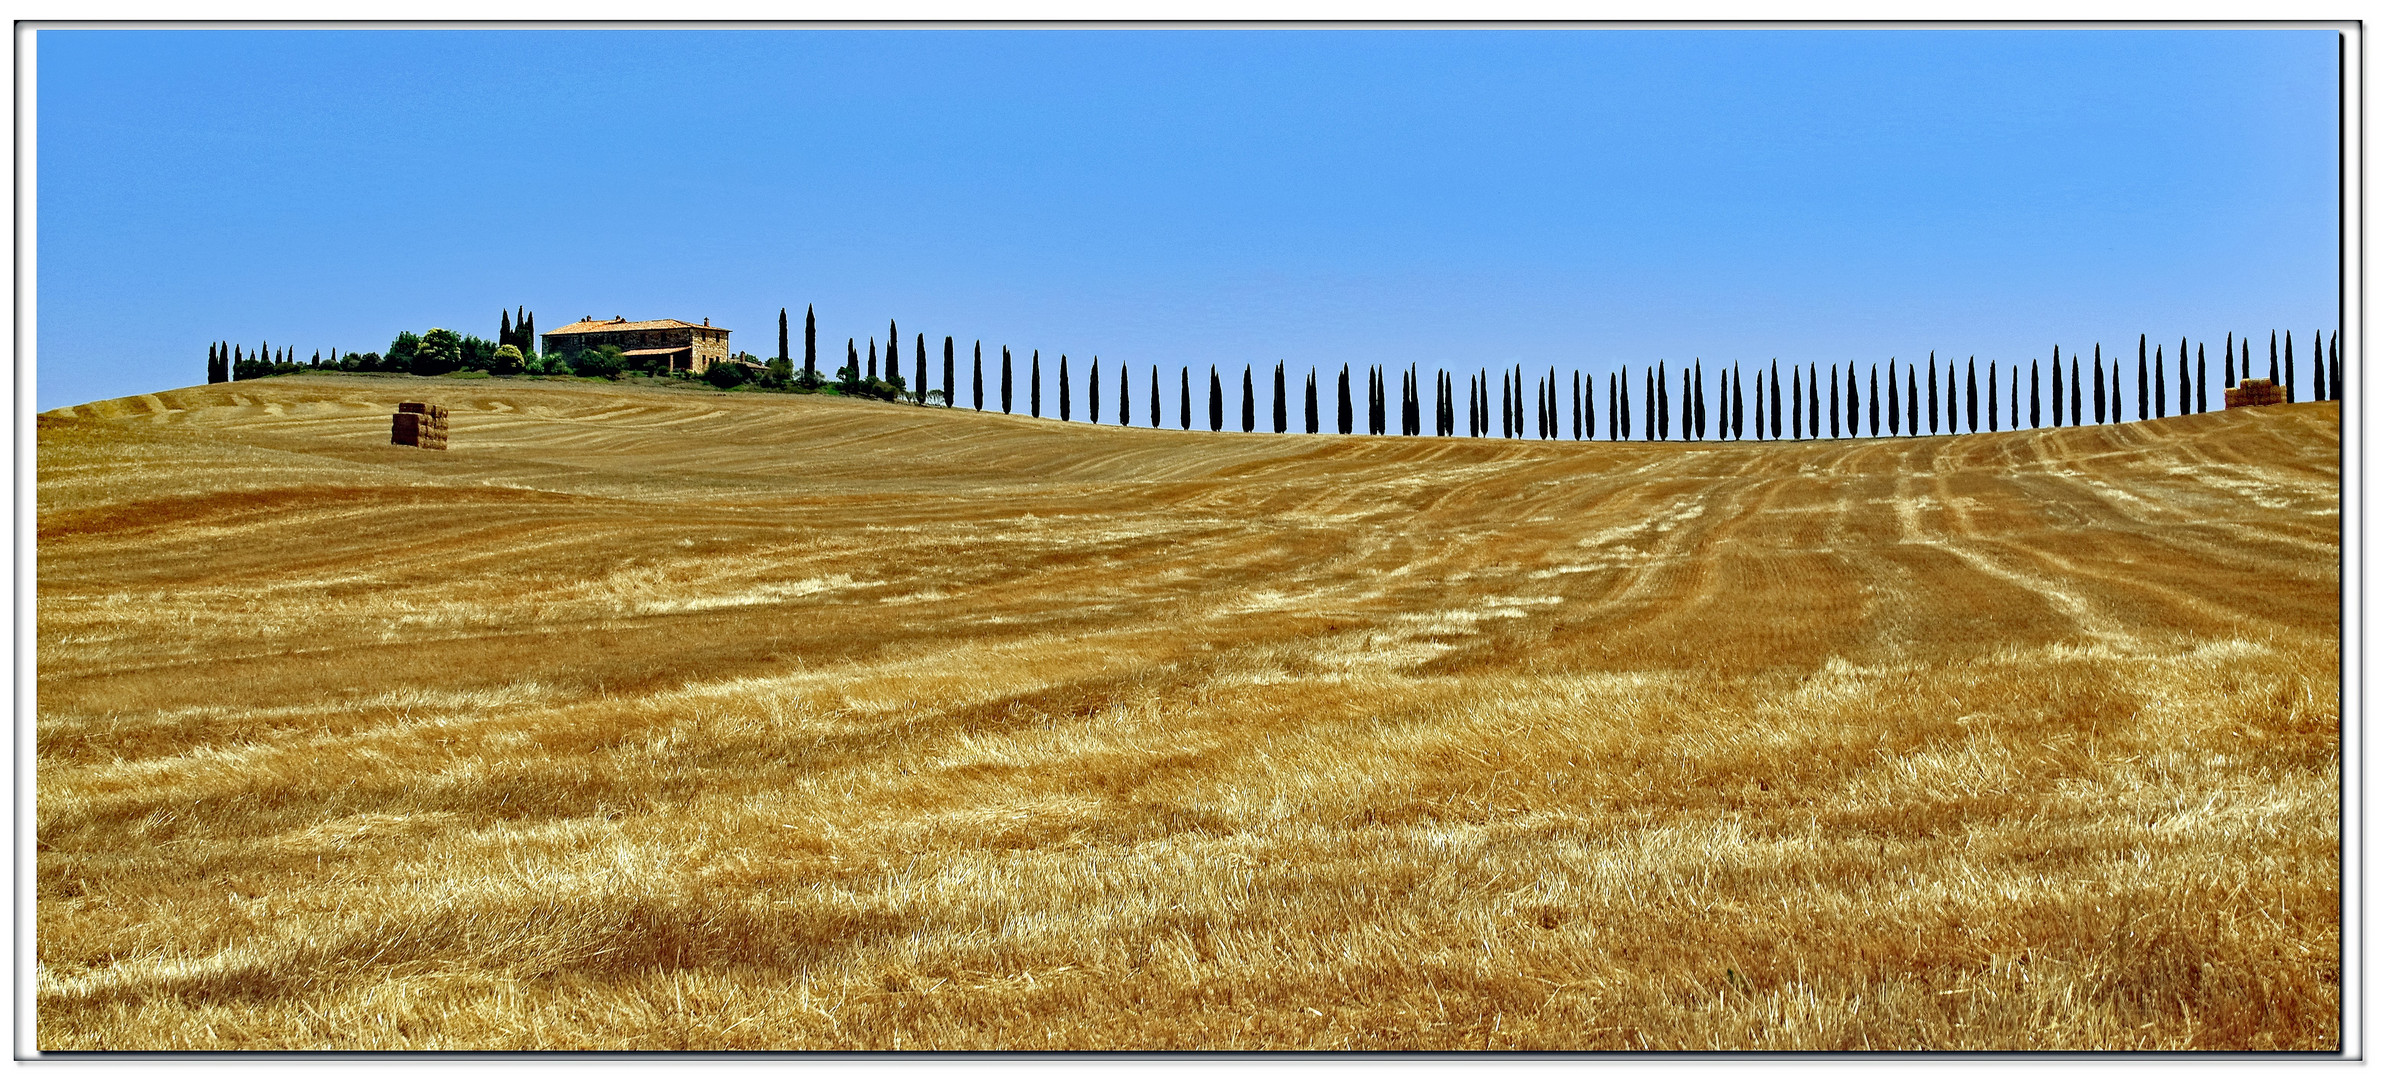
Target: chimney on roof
[707,320]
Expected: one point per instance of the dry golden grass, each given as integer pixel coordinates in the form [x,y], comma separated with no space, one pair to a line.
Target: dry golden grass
[650,719]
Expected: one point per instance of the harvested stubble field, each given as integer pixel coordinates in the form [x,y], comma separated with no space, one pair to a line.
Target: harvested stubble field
[654,719]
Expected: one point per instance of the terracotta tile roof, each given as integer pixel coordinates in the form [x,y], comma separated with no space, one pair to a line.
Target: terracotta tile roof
[600,326]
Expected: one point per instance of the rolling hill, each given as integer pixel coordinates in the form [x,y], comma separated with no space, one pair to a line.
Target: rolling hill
[650,718]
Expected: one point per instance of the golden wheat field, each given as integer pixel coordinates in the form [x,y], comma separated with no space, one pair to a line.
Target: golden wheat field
[664,719]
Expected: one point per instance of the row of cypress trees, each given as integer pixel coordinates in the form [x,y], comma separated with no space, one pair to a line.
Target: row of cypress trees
[226,362]
[1784,405]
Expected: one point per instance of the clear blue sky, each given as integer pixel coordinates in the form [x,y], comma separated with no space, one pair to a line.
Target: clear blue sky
[1566,198]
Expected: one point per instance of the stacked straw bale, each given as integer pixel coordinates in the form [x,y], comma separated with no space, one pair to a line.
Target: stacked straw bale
[419,425]
[2253,392]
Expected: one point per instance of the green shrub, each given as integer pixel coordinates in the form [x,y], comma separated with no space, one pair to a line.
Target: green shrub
[603,362]
[440,351]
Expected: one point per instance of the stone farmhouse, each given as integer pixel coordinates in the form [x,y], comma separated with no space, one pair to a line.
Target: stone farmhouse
[682,345]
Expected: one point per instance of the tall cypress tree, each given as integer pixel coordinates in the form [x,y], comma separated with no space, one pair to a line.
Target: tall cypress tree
[2034,396]
[1737,399]
[2183,375]
[1521,413]
[2158,382]
[1629,413]
[1873,399]
[1034,385]
[1281,401]
[1776,431]
[1812,403]
[1550,425]
[2335,365]
[1993,416]
[1183,399]
[2200,383]
[1006,366]
[1699,398]
[1447,404]
[2274,370]
[1248,398]
[1505,405]
[2097,389]
[1066,406]
[504,327]
[872,360]
[2057,392]
[950,375]
[781,335]
[2117,395]
[2013,397]
[2076,396]
[976,375]
[1910,400]
[1972,395]
[1835,427]
[1347,413]
[1410,401]
[810,350]
[2229,383]
[2142,378]
[1763,428]
[1724,403]
[1617,406]
[1314,416]
[918,392]
[2290,372]
[1797,389]
[1662,391]
[1575,405]
[1852,399]
[1215,400]
[1931,397]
